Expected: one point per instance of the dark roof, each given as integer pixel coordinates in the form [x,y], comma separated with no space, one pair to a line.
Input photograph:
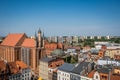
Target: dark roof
[79,67]
[67,67]
[46,59]
[105,58]
[103,70]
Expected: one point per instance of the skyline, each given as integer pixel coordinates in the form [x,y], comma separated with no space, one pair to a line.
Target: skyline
[60,17]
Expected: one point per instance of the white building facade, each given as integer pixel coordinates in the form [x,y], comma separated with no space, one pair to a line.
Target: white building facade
[62,75]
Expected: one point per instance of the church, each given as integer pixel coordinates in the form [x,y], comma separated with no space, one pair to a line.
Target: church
[19,47]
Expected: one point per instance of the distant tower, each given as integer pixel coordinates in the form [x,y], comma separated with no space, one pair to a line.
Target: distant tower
[36,40]
[43,41]
[39,38]
[57,42]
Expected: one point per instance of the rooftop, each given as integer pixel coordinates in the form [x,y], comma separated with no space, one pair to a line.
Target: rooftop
[29,43]
[66,67]
[14,67]
[79,67]
[12,39]
[46,59]
[91,74]
[104,70]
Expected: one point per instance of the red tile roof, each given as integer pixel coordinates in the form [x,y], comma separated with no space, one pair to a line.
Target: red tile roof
[29,43]
[21,64]
[12,39]
[13,67]
[91,74]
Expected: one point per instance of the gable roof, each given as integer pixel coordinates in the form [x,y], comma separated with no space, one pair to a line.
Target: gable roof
[12,39]
[13,67]
[80,67]
[29,43]
[16,66]
[21,64]
[67,67]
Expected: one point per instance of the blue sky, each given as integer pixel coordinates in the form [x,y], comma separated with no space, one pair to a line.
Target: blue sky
[60,17]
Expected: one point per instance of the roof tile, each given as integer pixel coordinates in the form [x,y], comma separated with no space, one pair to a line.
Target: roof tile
[91,74]
[12,39]
[28,43]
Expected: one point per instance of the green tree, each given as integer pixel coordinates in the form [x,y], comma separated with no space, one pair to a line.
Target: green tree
[72,60]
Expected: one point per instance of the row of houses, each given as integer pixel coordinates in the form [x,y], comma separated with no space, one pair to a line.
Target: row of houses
[49,67]
[57,69]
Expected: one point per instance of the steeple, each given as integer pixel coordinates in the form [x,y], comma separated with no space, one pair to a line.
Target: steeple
[39,31]
[57,43]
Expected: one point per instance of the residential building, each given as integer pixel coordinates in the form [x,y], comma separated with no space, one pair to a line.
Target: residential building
[24,72]
[48,67]
[101,43]
[64,71]
[112,52]
[105,73]
[94,54]
[85,56]
[14,71]
[81,70]
[75,39]
[50,47]
[107,60]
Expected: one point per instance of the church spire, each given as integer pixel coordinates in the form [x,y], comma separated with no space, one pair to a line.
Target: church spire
[39,37]
[39,31]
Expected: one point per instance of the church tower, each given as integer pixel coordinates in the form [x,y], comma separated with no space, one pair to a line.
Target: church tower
[39,38]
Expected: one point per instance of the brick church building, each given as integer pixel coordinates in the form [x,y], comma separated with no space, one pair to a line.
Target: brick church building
[17,46]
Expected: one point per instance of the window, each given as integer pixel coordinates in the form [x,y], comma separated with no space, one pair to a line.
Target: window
[50,65]
[67,75]
[118,72]
[96,77]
